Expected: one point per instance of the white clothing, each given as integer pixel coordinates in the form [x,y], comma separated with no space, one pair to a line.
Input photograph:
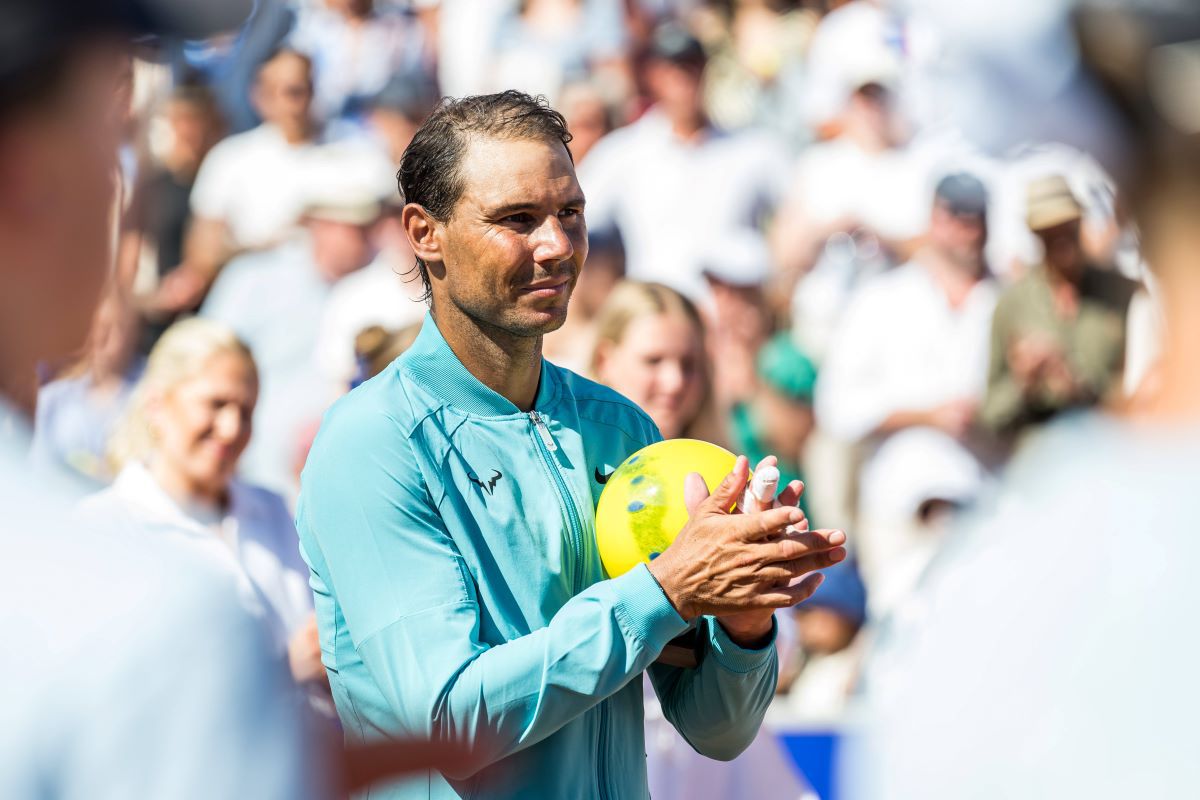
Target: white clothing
[253,182]
[383,293]
[886,194]
[675,202]
[259,185]
[902,346]
[129,669]
[1048,653]
[254,542]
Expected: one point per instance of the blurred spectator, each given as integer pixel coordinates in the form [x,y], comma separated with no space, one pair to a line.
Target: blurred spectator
[229,62]
[589,116]
[376,347]
[247,191]
[177,449]
[274,300]
[394,114]
[77,411]
[650,347]
[571,345]
[388,292]
[820,675]
[355,49]
[905,377]
[756,77]
[1058,339]
[247,185]
[778,417]
[181,134]
[545,44]
[857,205]
[672,184]
[735,270]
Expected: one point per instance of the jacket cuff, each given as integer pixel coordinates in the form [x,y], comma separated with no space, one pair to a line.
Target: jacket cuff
[734,657]
[644,611]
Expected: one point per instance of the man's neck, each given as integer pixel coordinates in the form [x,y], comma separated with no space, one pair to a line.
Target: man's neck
[509,365]
[955,280]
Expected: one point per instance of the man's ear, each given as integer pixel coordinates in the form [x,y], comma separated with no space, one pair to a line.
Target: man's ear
[422,231]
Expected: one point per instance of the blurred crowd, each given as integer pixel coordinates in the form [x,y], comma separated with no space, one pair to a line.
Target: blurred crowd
[793,251]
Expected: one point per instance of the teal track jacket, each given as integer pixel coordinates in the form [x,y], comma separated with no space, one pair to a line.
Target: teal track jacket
[460,596]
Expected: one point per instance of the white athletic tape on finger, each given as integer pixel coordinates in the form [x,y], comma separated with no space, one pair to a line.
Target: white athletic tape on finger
[764,484]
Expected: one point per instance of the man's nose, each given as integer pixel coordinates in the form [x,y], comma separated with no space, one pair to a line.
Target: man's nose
[551,243]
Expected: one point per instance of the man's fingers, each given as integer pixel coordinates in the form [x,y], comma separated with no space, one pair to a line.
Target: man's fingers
[730,490]
[801,543]
[790,495]
[787,596]
[695,492]
[765,524]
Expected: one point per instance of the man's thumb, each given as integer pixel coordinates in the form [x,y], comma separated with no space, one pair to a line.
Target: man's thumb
[731,489]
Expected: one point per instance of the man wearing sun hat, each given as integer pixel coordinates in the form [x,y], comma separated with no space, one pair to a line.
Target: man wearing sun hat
[1058,335]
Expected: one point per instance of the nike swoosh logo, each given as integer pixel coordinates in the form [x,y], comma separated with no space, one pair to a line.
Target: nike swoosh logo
[601,478]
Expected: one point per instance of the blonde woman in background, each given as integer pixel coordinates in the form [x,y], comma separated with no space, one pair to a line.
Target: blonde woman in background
[650,347]
[177,450]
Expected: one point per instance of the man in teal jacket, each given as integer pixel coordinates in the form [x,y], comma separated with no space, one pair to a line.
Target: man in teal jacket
[447,511]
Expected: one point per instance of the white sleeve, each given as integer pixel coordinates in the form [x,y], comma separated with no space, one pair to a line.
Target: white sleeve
[211,191]
[849,402]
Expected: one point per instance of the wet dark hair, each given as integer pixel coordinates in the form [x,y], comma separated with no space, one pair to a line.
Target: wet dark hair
[430,170]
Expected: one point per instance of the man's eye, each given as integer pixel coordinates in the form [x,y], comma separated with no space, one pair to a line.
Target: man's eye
[570,212]
[519,219]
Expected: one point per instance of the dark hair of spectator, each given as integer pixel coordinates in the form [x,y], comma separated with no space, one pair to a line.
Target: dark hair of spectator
[36,85]
[430,171]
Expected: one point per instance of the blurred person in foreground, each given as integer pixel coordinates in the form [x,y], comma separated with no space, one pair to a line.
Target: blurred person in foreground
[674,185]
[131,670]
[650,347]
[275,300]
[77,411]
[447,509]
[1058,339]
[1079,682]
[904,379]
[177,449]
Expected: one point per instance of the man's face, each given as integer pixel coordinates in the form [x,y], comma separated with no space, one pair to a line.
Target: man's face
[283,94]
[960,236]
[1064,253]
[515,243]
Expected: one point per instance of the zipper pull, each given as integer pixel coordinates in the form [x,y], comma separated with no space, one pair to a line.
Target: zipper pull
[543,431]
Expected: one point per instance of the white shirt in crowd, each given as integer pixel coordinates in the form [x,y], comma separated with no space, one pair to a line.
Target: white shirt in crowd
[254,542]
[1049,651]
[258,184]
[674,202]
[130,670]
[386,293]
[902,347]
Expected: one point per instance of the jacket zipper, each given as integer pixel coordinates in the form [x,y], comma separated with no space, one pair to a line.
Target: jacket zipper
[548,446]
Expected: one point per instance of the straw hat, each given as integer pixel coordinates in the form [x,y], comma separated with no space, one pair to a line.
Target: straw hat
[1050,203]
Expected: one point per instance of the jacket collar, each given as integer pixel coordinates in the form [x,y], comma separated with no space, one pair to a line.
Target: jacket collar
[433,364]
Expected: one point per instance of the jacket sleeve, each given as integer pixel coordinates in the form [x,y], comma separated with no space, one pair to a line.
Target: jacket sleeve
[413,616]
[719,706]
